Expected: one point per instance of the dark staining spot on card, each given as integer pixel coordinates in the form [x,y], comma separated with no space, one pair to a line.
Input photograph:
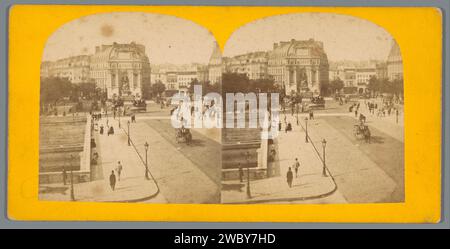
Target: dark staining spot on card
[107,30]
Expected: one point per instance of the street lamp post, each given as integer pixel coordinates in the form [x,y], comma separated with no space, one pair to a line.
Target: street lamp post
[146,162]
[119,117]
[396,116]
[247,157]
[72,192]
[306,135]
[128,123]
[324,144]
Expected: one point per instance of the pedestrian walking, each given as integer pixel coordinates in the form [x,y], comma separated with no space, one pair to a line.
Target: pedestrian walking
[296,166]
[119,170]
[101,129]
[112,180]
[311,114]
[111,131]
[241,173]
[356,113]
[288,127]
[289,177]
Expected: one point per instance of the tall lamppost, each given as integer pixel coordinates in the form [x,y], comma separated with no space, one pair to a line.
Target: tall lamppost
[306,135]
[247,157]
[324,144]
[396,116]
[119,116]
[128,123]
[72,192]
[146,163]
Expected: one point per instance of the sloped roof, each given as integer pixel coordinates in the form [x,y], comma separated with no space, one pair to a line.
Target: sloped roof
[216,56]
[394,53]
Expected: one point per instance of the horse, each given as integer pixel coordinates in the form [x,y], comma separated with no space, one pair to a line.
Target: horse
[362,118]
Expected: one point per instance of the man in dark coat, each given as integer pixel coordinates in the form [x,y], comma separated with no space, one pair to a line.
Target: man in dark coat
[289,177]
[311,115]
[112,180]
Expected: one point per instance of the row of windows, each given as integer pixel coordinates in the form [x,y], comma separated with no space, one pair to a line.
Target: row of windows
[116,65]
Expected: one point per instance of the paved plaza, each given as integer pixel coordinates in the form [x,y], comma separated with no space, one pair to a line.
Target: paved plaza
[356,171]
[359,172]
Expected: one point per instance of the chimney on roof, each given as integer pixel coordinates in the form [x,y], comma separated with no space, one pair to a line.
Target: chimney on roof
[275,45]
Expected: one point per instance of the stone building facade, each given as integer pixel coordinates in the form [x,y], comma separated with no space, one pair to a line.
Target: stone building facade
[75,69]
[299,66]
[253,64]
[120,69]
[117,69]
[215,66]
[395,63]
[363,76]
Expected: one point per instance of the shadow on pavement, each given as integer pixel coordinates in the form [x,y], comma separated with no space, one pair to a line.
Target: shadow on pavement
[53,190]
[232,186]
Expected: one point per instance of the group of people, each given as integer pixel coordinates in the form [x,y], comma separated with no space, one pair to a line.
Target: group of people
[96,116]
[110,129]
[387,108]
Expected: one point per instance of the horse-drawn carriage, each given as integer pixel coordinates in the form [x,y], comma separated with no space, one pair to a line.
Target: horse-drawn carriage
[362,131]
[183,135]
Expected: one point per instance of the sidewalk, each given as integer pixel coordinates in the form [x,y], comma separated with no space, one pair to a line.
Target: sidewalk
[132,186]
[179,178]
[309,185]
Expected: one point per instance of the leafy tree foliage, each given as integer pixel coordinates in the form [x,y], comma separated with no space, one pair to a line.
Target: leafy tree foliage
[56,89]
[234,82]
[158,88]
[207,87]
[331,87]
[386,86]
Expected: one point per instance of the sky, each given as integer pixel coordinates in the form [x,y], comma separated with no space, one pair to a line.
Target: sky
[167,39]
[344,37]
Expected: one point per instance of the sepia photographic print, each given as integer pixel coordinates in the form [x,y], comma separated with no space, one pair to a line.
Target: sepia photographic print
[297,108]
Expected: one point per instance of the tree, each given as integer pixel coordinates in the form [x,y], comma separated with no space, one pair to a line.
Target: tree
[193,83]
[86,89]
[336,85]
[263,85]
[397,87]
[331,87]
[374,84]
[235,82]
[158,88]
[55,89]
